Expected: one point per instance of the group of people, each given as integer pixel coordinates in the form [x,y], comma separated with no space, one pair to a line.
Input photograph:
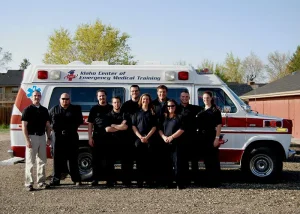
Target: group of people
[160,135]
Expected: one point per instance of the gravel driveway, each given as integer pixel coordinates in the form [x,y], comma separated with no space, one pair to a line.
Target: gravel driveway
[235,196]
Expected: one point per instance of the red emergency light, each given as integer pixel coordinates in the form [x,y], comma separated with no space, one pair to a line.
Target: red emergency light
[183,75]
[42,74]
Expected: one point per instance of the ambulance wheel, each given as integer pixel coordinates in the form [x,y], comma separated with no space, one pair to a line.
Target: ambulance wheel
[85,163]
[262,164]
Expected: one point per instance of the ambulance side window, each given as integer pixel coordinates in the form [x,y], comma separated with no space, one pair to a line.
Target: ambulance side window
[85,96]
[220,97]
[173,93]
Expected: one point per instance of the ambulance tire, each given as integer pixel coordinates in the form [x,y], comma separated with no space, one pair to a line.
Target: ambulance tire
[85,163]
[263,165]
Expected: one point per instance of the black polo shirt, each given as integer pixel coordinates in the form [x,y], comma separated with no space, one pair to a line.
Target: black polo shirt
[130,107]
[189,113]
[208,119]
[36,118]
[159,107]
[118,118]
[171,125]
[68,119]
[144,121]
[98,117]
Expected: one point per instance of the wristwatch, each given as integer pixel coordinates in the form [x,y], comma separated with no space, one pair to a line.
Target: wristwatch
[217,137]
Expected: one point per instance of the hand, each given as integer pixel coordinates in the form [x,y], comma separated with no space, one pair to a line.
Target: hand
[144,140]
[28,143]
[91,142]
[165,138]
[48,142]
[216,143]
[170,138]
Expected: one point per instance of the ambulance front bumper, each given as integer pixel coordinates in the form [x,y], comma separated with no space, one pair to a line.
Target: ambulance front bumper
[11,153]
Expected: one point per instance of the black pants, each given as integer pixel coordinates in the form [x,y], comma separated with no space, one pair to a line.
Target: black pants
[65,151]
[179,162]
[127,156]
[103,159]
[210,155]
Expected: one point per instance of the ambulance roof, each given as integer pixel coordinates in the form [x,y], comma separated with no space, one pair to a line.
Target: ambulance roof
[112,74]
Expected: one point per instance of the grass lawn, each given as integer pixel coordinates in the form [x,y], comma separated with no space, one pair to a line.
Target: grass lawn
[4,128]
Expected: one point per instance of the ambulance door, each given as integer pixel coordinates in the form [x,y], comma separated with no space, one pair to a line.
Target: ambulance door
[232,124]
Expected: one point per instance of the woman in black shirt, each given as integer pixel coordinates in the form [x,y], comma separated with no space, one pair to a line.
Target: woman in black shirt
[144,126]
[171,128]
[208,124]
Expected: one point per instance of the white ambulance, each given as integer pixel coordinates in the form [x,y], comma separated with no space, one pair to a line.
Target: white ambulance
[258,144]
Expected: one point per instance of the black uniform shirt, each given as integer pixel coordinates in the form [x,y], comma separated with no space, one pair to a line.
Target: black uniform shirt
[144,121]
[159,108]
[189,113]
[68,119]
[98,117]
[171,125]
[118,118]
[36,117]
[208,119]
[130,107]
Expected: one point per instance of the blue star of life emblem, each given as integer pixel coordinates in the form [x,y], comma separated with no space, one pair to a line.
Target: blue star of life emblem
[31,90]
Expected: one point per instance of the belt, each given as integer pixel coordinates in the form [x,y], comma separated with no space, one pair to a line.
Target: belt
[37,133]
[64,132]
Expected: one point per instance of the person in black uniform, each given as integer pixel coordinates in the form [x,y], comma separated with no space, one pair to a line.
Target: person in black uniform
[208,124]
[131,106]
[191,147]
[160,149]
[118,123]
[171,129]
[65,120]
[144,126]
[98,139]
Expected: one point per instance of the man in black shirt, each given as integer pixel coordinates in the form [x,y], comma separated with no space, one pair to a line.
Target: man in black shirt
[35,119]
[191,146]
[98,137]
[65,120]
[131,106]
[118,124]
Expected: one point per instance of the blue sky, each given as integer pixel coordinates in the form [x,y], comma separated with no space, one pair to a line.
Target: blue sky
[166,31]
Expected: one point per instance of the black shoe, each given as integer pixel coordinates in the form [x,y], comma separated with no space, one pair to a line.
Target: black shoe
[55,183]
[179,187]
[30,188]
[44,186]
[140,184]
[127,183]
[94,183]
[110,183]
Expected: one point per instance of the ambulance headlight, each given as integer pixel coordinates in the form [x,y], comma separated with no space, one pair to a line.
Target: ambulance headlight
[55,75]
[170,75]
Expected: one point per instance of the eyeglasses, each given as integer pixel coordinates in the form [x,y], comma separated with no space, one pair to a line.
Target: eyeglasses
[65,98]
[171,106]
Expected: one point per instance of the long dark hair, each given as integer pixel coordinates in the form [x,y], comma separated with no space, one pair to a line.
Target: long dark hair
[150,106]
[167,113]
[209,93]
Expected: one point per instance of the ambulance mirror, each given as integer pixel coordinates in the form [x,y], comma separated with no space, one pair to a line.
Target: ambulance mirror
[226,109]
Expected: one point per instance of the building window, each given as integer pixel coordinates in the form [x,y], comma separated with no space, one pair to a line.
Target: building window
[14,90]
[1,90]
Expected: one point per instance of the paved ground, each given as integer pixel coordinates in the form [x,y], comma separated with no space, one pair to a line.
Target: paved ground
[235,196]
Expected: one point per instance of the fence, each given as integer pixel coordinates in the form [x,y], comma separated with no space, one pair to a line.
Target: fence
[5,114]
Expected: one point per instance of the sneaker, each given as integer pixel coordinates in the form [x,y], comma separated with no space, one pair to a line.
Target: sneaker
[110,183]
[54,183]
[44,186]
[29,188]
[78,183]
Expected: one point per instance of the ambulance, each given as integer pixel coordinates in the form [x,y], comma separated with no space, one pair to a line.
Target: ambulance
[258,144]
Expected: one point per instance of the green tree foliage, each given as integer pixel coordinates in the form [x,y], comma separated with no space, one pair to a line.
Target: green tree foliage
[294,64]
[277,66]
[91,42]
[253,68]
[24,64]
[217,69]
[233,68]
[5,57]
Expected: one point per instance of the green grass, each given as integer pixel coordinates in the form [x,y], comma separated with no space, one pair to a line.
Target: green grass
[4,128]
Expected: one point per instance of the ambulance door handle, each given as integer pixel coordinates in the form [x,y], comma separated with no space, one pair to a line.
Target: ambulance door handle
[226,110]
[226,120]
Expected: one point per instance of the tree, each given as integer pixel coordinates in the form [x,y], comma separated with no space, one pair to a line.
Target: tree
[277,66]
[253,68]
[24,64]
[220,72]
[91,42]
[5,57]
[294,64]
[207,64]
[233,68]
[217,69]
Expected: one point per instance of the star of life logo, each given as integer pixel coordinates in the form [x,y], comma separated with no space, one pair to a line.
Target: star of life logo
[71,75]
[31,90]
